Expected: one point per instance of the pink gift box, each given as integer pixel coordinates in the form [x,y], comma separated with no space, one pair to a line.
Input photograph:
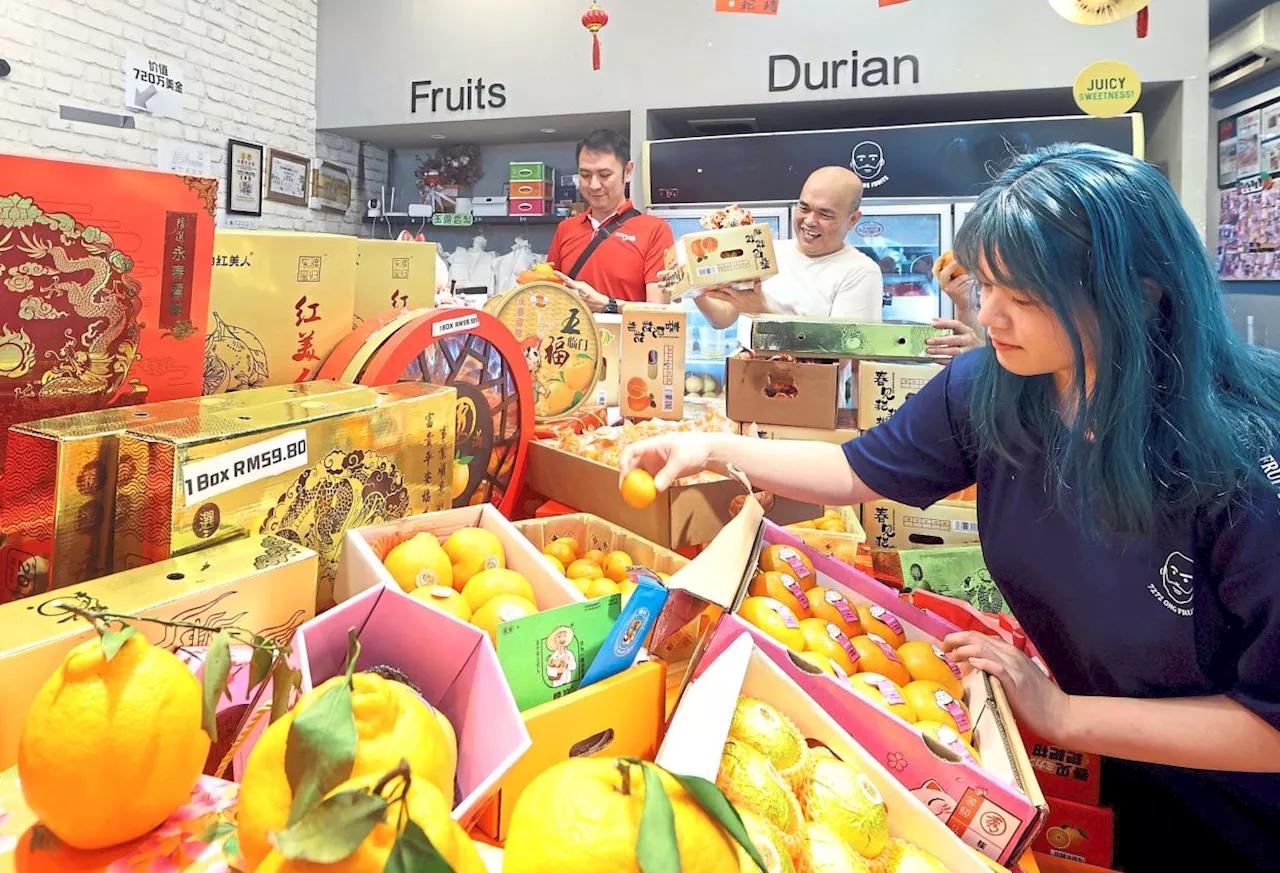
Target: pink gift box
[451,662]
[997,808]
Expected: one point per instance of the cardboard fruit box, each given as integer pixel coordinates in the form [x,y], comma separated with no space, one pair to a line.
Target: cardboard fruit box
[685,515]
[596,533]
[998,808]
[792,393]
[696,737]
[837,338]
[452,663]
[709,258]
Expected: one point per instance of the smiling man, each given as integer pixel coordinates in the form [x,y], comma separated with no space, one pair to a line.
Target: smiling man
[819,274]
[612,254]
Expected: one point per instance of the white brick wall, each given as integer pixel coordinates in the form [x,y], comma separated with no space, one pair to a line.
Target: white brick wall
[249,69]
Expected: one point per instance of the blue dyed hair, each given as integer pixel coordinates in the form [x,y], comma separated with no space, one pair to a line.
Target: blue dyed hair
[1181,411]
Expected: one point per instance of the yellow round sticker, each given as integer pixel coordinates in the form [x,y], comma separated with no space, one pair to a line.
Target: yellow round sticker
[1107,89]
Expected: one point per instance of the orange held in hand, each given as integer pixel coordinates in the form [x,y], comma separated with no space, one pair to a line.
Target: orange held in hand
[638,489]
[947,259]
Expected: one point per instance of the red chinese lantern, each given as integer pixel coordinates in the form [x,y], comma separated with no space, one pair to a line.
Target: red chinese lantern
[594,20]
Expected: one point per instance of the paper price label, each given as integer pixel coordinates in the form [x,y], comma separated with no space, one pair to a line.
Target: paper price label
[230,470]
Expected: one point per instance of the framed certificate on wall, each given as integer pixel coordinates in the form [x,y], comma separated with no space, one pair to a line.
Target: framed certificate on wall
[287,177]
[244,178]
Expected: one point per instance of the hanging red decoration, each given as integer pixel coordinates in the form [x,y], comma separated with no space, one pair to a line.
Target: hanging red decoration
[594,20]
[1144,21]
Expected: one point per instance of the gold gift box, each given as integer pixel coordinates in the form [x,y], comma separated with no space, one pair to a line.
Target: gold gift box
[305,474]
[280,303]
[391,274]
[60,490]
[264,585]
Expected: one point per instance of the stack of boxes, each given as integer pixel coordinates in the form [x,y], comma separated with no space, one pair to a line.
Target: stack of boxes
[532,186]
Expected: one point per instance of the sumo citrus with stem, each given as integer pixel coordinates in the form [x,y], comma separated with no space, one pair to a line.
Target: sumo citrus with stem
[392,723]
[425,806]
[445,600]
[638,489]
[472,550]
[419,562]
[583,816]
[110,749]
[488,584]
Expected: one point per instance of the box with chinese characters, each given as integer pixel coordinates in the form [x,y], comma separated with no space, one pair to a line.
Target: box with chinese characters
[883,387]
[709,258]
[651,370]
[263,584]
[391,274]
[280,303]
[892,525]
[306,474]
[1071,775]
[104,287]
[812,337]
[59,506]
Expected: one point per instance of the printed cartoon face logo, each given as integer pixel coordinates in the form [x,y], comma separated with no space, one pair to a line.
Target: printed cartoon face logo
[1178,577]
[868,160]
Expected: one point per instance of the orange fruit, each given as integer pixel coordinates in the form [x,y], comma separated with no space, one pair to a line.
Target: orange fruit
[826,638]
[615,565]
[783,588]
[110,749]
[488,584]
[562,552]
[601,588]
[584,569]
[925,660]
[426,807]
[638,489]
[625,589]
[883,623]
[884,693]
[775,619]
[785,559]
[572,544]
[472,550]
[503,608]
[392,722]
[595,556]
[845,552]
[444,599]
[875,655]
[831,525]
[556,563]
[419,562]
[833,606]
[932,702]
[583,816]
[581,584]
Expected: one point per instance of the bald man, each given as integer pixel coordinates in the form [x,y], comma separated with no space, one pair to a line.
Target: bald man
[818,273]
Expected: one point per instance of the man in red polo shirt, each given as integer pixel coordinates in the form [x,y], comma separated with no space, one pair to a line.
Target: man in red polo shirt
[612,254]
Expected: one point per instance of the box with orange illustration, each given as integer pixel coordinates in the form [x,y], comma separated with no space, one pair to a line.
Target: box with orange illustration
[307,473]
[105,276]
[280,302]
[391,274]
[59,506]
[708,258]
[198,837]
[622,716]
[1078,832]
[263,584]
[651,373]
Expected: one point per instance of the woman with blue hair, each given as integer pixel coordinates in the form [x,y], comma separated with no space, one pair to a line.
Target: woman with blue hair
[1124,445]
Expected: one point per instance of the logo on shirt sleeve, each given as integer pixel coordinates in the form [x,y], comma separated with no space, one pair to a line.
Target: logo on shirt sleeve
[1176,587]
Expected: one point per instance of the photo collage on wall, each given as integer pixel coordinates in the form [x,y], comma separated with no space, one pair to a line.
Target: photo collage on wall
[1249,181]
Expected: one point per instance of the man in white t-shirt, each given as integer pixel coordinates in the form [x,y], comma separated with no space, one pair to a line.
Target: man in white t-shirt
[819,274]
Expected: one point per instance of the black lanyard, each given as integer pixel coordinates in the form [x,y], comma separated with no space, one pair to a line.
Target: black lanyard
[602,234]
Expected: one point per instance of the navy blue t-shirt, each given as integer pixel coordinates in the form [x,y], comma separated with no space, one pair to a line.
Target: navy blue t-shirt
[1194,612]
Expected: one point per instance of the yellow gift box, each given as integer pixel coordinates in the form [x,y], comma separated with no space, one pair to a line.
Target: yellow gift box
[263,584]
[391,274]
[279,304]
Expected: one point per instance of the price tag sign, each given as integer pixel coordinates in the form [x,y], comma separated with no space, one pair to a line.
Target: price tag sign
[453,219]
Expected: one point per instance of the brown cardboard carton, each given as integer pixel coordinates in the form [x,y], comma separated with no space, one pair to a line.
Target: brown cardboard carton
[307,475]
[262,584]
[281,301]
[391,274]
[63,481]
[884,386]
[796,393]
[892,525]
[708,258]
[651,374]
[840,434]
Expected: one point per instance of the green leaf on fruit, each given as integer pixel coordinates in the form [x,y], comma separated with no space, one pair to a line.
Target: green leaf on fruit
[414,853]
[260,664]
[113,640]
[656,847]
[283,679]
[43,840]
[217,668]
[466,462]
[333,830]
[216,830]
[716,805]
[320,750]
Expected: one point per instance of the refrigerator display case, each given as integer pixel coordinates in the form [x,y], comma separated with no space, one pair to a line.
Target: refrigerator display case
[906,241]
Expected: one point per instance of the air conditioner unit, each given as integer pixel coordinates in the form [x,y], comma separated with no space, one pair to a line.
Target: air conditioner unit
[1246,50]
